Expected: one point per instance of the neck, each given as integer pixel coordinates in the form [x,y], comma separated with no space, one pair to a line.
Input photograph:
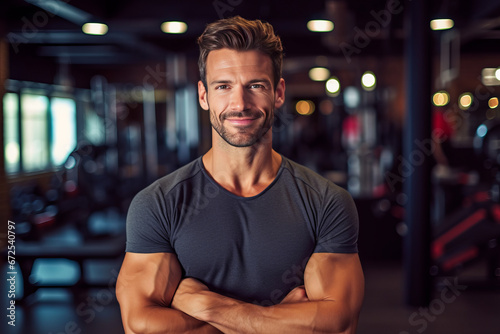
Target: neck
[244,171]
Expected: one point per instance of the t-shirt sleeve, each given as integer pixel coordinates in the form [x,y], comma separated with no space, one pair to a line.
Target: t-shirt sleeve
[147,228]
[339,225]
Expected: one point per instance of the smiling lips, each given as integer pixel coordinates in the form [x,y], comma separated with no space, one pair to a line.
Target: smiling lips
[241,119]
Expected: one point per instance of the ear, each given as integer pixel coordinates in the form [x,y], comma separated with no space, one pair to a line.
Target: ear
[279,94]
[202,95]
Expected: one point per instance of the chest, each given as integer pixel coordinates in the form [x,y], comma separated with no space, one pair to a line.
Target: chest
[257,248]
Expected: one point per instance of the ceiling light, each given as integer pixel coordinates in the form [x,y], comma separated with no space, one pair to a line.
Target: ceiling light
[368,80]
[333,86]
[94,28]
[493,102]
[174,27]
[465,101]
[319,73]
[441,98]
[490,76]
[305,107]
[442,24]
[320,25]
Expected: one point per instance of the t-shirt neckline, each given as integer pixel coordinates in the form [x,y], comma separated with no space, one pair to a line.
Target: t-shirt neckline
[221,188]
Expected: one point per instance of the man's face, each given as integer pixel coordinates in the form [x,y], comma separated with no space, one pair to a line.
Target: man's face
[240,95]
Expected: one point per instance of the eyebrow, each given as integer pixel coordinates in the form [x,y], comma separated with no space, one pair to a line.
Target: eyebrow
[218,82]
[260,81]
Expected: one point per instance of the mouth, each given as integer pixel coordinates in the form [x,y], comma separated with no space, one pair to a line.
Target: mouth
[241,121]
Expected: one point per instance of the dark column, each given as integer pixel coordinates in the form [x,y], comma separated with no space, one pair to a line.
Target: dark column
[4,197]
[416,163]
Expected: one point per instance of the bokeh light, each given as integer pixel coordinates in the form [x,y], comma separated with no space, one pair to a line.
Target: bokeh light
[174,27]
[442,24]
[305,107]
[320,25]
[493,102]
[333,86]
[319,73]
[441,98]
[94,28]
[368,80]
[465,101]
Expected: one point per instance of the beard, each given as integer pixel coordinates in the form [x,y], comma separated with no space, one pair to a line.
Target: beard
[244,136]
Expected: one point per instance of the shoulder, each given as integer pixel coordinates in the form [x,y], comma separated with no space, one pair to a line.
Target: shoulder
[172,180]
[312,180]
[167,184]
[335,218]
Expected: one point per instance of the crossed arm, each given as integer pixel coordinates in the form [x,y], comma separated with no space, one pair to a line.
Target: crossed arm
[154,299]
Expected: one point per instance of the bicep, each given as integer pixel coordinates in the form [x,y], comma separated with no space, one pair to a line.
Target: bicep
[336,277]
[147,280]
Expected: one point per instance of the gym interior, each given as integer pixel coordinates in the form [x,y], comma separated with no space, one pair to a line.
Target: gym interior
[395,101]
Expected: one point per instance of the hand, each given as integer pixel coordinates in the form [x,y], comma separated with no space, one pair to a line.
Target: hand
[185,296]
[190,285]
[297,295]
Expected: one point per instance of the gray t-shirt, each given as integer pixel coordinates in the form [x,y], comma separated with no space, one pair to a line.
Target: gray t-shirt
[255,248]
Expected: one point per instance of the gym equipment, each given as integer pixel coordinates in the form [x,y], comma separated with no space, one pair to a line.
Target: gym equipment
[472,232]
[34,212]
[98,249]
[94,180]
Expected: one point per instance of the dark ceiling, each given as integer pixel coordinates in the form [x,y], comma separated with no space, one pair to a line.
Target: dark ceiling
[134,26]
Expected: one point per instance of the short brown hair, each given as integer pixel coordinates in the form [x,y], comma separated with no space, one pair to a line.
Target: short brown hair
[239,34]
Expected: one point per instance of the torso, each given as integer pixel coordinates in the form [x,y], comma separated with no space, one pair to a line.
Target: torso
[255,248]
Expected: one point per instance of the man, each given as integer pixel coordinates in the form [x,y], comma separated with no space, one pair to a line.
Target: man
[241,240]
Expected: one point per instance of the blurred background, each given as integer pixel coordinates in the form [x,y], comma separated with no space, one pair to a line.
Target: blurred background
[394,100]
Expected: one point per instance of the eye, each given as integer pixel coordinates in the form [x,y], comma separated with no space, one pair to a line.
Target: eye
[258,86]
[221,87]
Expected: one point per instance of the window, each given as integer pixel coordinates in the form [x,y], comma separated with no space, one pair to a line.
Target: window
[63,120]
[39,131]
[94,127]
[35,139]
[11,132]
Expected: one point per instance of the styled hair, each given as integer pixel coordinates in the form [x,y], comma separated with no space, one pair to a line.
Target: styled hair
[239,34]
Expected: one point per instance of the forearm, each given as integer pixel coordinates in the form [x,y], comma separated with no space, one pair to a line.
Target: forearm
[145,288]
[161,320]
[232,316]
[329,302]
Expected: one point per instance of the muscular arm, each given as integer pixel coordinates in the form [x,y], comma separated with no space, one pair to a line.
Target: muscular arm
[144,290]
[334,285]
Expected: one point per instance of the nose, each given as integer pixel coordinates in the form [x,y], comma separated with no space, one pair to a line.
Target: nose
[238,99]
